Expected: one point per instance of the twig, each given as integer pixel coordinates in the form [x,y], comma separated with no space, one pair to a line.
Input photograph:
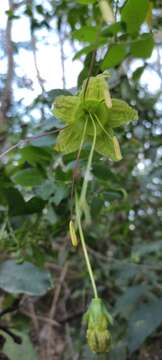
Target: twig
[28,140]
[61,41]
[40,80]
[34,50]
[73,355]
[33,316]
[116,9]
[72,317]
[90,70]
[54,303]
[43,318]
[6,98]
[92,60]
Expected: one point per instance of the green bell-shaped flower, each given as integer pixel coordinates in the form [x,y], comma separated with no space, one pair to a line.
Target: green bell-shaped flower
[98,320]
[93,101]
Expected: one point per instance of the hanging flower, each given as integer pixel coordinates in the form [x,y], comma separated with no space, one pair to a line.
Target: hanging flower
[92,101]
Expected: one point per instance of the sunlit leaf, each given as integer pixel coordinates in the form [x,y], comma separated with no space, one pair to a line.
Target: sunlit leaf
[134,13]
[115,55]
[143,46]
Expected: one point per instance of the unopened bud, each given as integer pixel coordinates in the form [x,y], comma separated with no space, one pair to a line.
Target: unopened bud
[106,11]
[73,236]
[98,320]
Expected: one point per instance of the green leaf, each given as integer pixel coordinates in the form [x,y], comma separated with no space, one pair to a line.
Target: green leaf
[138,73]
[88,49]
[127,302]
[28,177]
[143,323]
[103,173]
[24,278]
[60,194]
[119,351]
[105,146]
[113,29]
[45,190]
[24,351]
[143,46]
[86,33]
[13,196]
[113,194]
[34,155]
[134,13]
[68,140]
[144,249]
[34,205]
[115,55]
[65,108]
[121,113]
[52,94]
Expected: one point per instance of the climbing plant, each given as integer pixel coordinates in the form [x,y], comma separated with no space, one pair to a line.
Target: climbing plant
[82,163]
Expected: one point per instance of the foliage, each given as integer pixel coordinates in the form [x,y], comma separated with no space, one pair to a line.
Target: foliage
[124,237]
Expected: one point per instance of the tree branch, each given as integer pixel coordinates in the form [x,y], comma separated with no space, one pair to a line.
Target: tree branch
[6,98]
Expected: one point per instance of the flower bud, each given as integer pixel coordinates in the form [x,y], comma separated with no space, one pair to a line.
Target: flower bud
[98,319]
[73,235]
[106,11]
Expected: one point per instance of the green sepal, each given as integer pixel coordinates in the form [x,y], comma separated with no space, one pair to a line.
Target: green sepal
[108,146]
[65,108]
[121,113]
[97,86]
[68,140]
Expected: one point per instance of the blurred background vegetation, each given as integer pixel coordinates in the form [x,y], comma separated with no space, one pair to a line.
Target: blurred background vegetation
[46,49]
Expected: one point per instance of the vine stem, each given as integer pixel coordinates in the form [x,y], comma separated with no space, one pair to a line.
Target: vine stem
[87,260]
[86,179]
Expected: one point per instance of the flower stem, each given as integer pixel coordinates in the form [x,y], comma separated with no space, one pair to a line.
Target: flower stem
[87,260]
[102,127]
[78,156]
[86,178]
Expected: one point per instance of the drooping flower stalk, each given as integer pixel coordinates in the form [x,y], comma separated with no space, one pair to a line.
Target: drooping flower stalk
[85,252]
[82,200]
[81,206]
[97,114]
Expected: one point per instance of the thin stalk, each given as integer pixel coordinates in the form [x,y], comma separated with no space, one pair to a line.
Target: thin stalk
[82,140]
[85,183]
[102,127]
[78,156]
[85,252]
